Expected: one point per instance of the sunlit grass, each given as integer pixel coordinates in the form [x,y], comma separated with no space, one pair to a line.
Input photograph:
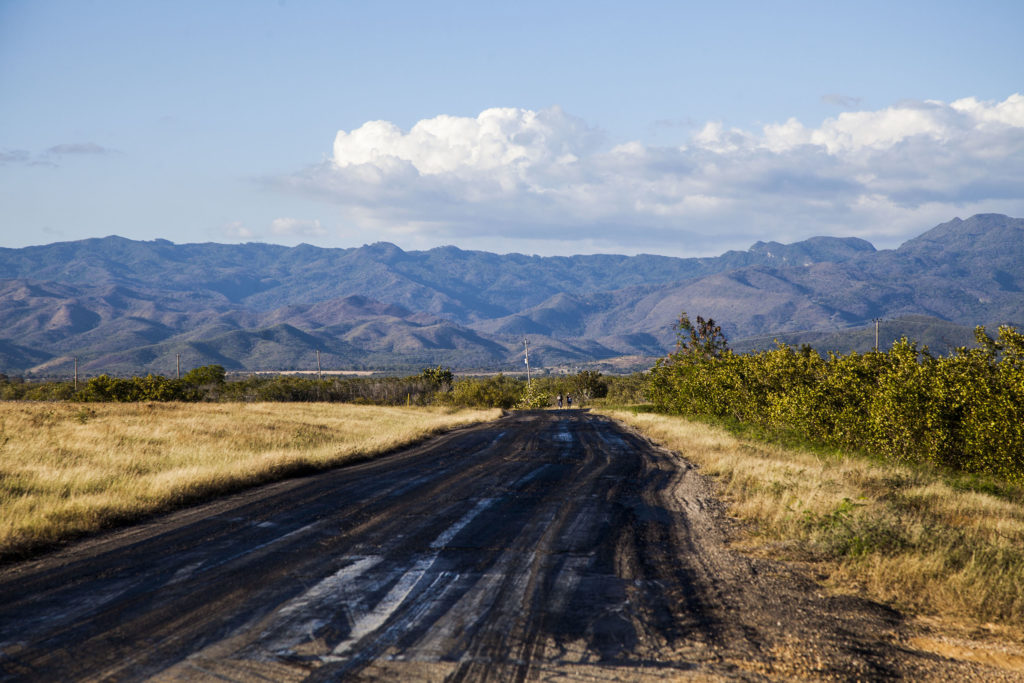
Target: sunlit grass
[68,469]
[911,537]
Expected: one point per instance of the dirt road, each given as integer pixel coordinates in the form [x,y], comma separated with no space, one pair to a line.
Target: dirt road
[546,545]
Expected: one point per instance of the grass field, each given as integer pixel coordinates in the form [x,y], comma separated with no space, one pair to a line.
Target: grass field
[67,469]
[924,541]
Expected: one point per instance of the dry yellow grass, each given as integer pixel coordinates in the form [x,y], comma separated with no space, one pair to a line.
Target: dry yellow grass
[68,469]
[901,535]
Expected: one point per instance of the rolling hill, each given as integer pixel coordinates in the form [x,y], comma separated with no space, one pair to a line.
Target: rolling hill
[123,306]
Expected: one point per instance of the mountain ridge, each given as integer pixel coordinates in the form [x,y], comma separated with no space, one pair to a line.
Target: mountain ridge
[123,306]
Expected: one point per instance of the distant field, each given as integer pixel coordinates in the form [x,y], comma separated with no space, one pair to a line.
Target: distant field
[68,468]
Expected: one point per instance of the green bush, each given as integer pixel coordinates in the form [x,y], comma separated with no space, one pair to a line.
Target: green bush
[499,391]
[534,397]
[627,389]
[964,411]
[148,388]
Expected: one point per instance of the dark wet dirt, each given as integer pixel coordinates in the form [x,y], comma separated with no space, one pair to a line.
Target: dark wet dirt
[545,546]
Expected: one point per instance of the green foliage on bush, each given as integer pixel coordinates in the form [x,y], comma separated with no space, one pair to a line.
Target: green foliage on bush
[534,397]
[121,389]
[499,391]
[964,411]
[413,390]
[626,389]
[588,385]
[207,375]
[16,389]
[433,386]
[442,377]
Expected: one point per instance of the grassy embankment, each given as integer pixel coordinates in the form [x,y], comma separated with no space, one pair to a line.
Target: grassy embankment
[937,544]
[67,469]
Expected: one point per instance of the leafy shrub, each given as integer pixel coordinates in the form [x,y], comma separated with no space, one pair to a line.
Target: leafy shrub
[534,397]
[442,377]
[148,388]
[206,375]
[499,391]
[627,389]
[964,411]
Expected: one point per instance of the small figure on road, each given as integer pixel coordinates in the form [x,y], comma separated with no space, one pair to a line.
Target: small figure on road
[568,401]
[559,401]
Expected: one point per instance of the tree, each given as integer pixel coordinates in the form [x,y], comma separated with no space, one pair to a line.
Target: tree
[703,339]
[442,377]
[587,384]
[534,397]
[684,380]
[499,391]
[205,375]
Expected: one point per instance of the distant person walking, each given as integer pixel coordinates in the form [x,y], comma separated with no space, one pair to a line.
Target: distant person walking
[559,401]
[568,400]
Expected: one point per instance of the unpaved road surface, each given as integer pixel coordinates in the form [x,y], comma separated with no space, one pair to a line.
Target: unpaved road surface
[547,545]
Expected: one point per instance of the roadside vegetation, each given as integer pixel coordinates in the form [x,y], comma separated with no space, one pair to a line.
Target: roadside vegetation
[963,412]
[919,538]
[432,387]
[71,468]
[898,475]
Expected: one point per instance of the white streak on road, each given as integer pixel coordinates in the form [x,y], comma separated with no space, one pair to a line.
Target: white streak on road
[334,586]
[449,533]
[379,615]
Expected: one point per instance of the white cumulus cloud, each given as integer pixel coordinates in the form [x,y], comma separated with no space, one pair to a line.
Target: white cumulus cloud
[545,177]
[498,140]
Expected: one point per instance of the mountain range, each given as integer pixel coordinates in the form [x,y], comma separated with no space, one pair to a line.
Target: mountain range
[122,306]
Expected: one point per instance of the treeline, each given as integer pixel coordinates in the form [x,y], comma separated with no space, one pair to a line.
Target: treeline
[200,384]
[964,411]
[433,386]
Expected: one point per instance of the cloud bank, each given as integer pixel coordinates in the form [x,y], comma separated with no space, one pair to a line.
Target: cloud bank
[546,179]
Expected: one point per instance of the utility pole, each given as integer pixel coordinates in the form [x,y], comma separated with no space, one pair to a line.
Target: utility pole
[526,345]
[177,362]
[876,321]
[319,375]
[76,373]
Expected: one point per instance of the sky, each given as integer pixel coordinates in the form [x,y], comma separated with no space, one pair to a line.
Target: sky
[549,128]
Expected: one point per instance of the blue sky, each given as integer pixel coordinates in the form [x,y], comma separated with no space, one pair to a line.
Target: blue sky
[538,127]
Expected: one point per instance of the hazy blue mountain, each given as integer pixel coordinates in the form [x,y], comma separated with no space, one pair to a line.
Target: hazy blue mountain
[126,306]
